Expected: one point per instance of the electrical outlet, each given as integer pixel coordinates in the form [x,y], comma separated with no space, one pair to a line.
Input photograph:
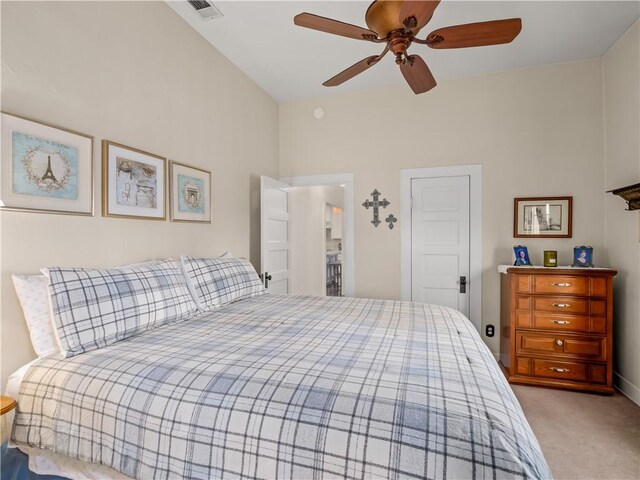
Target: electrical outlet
[490,330]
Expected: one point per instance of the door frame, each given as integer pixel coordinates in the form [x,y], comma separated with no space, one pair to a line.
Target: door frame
[474,172]
[348,243]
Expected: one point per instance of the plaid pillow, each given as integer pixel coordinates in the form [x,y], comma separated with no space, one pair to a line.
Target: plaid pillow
[96,308]
[219,281]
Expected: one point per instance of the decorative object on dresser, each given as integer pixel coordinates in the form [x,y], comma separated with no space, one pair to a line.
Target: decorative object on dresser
[582,256]
[45,169]
[630,194]
[550,258]
[540,217]
[189,193]
[557,327]
[522,255]
[133,183]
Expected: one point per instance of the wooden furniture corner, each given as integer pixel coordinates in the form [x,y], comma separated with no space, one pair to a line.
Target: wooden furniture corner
[6,404]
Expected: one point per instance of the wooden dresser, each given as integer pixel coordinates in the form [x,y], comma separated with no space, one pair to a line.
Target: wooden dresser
[556,327]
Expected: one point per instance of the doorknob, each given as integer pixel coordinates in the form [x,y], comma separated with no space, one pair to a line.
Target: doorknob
[265,277]
[463,284]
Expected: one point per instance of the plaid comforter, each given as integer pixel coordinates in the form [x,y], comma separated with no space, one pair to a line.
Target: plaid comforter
[287,387]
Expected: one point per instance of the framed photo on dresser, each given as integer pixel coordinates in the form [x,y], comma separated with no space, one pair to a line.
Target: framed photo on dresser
[44,168]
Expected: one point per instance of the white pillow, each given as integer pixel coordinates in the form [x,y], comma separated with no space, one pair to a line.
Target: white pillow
[33,294]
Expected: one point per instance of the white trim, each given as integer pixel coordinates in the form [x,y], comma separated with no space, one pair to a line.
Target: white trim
[348,243]
[474,172]
[627,388]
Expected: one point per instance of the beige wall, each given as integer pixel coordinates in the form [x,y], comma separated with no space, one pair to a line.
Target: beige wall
[308,260]
[622,168]
[536,132]
[137,74]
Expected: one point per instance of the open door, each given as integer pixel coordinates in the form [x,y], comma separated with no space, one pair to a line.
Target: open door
[275,245]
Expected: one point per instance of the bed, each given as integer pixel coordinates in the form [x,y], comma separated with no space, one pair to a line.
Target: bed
[286,386]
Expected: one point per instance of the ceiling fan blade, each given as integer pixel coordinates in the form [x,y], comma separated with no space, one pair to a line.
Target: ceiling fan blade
[480,34]
[417,74]
[355,69]
[328,25]
[420,10]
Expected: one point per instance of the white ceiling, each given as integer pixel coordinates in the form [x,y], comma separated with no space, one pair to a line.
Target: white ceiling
[291,62]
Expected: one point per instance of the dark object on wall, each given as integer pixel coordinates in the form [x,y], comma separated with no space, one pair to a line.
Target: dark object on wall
[376,204]
[391,219]
[490,330]
[582,256]
[630,194]
[542,217]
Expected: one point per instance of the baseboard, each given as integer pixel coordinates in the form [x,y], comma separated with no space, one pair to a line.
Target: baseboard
[627,388]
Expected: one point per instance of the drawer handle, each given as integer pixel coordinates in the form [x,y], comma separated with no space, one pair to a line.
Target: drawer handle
[561,322]
[561,284]
[559,342]
[561,305]
[559,370]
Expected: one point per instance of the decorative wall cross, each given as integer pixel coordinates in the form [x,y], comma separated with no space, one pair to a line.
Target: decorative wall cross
[376,204]
[391,219]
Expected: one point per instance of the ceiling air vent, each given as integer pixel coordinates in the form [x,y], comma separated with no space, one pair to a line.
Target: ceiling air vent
[206,10]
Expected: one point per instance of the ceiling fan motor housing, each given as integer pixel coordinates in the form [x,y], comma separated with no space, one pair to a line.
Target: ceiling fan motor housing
[383,17]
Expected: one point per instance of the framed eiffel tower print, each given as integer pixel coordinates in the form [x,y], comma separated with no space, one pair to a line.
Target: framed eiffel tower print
[44,169]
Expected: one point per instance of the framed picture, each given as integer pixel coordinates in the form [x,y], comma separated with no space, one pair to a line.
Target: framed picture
[45,169]
[583,256]
[522,255]
[542,217]
[189,193]
[133,183]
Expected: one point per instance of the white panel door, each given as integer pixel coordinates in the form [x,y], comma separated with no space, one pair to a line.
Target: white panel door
[440,241]
[275,244]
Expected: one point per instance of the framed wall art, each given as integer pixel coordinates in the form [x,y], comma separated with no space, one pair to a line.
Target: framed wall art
[133,183]
[539,217]
[189,193]
[45,169]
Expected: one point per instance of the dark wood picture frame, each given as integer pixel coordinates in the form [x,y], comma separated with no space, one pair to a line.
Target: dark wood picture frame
[562,233]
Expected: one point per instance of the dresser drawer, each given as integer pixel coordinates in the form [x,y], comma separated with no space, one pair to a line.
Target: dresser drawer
[577,346]
[562,370]
[559,304]
[561,284]
[543,368]
[568,323]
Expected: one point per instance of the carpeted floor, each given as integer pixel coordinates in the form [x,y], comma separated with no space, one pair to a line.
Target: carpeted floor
[584,436]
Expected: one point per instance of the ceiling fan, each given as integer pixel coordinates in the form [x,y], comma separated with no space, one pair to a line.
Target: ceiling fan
[397,24]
